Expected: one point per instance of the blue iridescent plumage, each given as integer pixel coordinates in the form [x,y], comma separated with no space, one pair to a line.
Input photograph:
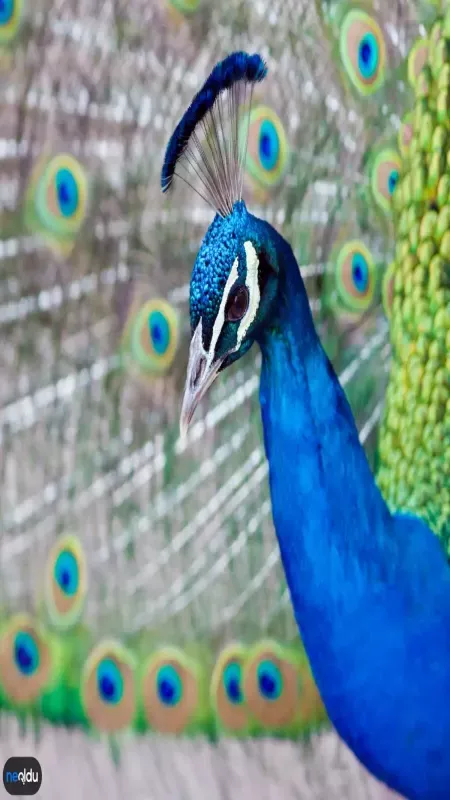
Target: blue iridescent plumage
[26,653]
[368,55]
[393,180]
[360,272]
[6,11]
[66,572]
[170,688]
[232,678]
[11,15]
[159,331]
[370,588]
[270,682]
[67,191]
[110,681]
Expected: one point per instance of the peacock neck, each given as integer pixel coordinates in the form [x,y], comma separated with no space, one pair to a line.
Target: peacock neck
[332,524]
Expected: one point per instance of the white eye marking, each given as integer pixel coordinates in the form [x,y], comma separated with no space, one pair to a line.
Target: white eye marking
[252,285]
[220,319]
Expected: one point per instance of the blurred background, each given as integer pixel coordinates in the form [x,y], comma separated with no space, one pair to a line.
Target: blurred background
[161,543]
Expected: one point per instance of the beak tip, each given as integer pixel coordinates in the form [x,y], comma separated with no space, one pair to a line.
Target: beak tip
[186,415]
[184,426]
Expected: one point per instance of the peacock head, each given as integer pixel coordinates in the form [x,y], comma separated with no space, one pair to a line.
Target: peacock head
[233,288]
[235,277]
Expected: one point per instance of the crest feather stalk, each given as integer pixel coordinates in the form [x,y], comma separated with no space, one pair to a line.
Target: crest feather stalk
[209,144]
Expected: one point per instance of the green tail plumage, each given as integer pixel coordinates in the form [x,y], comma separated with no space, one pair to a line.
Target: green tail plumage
[416,418]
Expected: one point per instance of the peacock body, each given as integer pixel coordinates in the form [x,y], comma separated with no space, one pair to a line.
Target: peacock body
[142,590]
[370,587]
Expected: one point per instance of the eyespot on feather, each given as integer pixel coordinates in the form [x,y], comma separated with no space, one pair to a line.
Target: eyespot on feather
[267,148]
[384,177]
[65,582]
[150,338]
[25,660]
[417,58]
[56,200]
[11,15]
[226,690]
[108,687]
[355,276]
[62,195]
[170,691]
[362,50]
[271,686]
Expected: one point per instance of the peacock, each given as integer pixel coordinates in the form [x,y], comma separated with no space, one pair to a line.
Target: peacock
[370,585]
[153,629]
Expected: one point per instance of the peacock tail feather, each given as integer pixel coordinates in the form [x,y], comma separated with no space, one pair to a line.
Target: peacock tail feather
[65,582]
[231,714]
[267,159]
[108,690]
[150,337]
[56,201]
[11,17]
[414,471]
[141,588]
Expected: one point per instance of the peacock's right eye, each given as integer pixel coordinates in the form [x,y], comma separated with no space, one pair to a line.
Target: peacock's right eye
[237,304]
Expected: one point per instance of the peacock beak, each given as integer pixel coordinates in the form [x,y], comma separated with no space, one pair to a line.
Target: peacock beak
[201,373]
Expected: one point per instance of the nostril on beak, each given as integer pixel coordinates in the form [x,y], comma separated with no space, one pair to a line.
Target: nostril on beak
[199,371]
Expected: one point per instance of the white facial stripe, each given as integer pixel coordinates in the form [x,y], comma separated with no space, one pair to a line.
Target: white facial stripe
[220,319]
[252,285]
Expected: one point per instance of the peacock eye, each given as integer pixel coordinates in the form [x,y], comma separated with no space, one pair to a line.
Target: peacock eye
[237,304]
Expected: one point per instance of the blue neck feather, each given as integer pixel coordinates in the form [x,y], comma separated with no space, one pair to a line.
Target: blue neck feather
[320,476]
[370,590]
